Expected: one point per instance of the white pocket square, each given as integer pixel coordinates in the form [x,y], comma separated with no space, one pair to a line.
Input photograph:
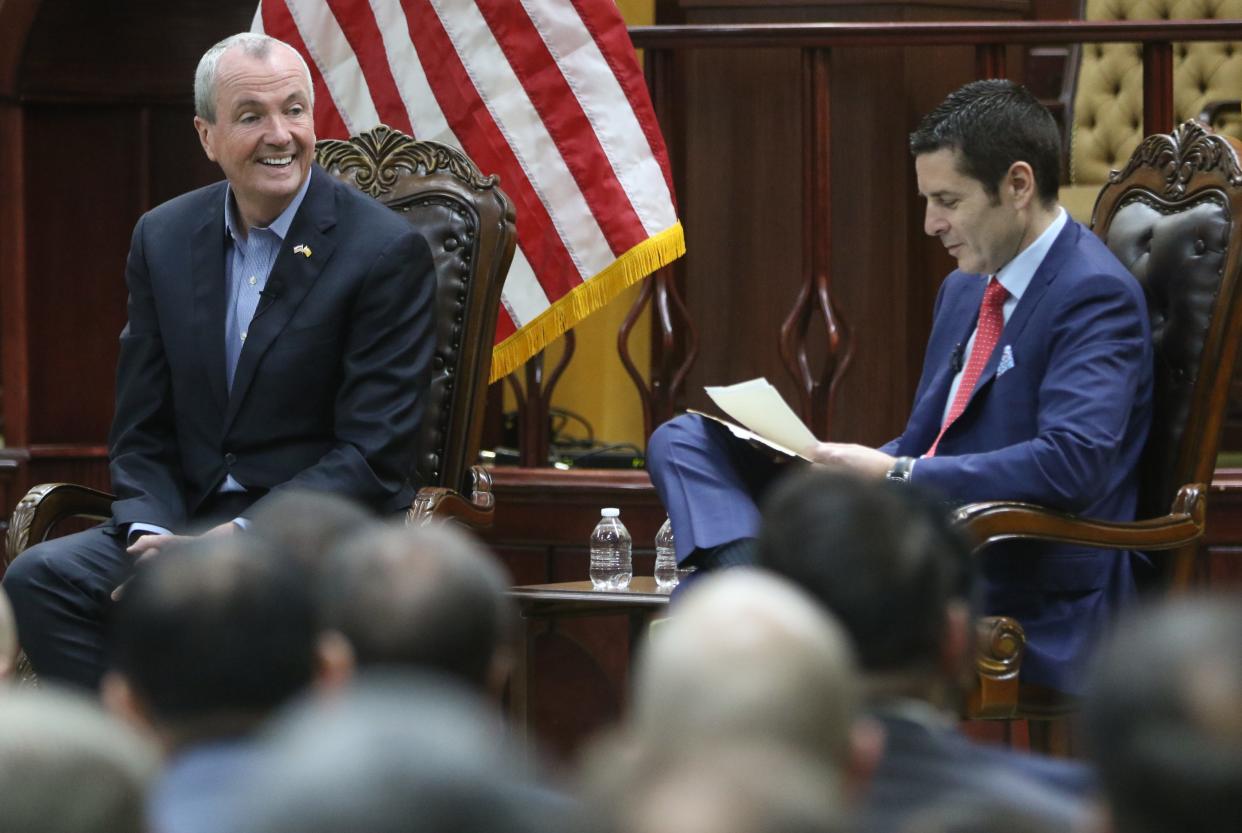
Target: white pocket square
[1006,360]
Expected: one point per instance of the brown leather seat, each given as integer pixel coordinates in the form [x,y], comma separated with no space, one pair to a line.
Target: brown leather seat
[1173,216]
[469,223]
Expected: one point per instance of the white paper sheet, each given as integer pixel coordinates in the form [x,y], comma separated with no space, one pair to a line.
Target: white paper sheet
[758,406]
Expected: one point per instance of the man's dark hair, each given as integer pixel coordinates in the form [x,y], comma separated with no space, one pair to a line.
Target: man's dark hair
[881,557]
[424,598]
[214,633]
[394,753]
[992,124]
[1163,718]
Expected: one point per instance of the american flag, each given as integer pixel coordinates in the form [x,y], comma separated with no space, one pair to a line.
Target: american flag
[548,95]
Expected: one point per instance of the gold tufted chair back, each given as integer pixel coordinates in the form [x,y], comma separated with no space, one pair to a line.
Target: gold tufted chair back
[1108,102]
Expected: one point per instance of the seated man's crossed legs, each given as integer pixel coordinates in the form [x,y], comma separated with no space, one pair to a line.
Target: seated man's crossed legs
[711,483]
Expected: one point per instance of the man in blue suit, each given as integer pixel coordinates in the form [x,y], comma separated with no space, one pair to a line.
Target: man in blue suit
[280,335]
[1036,383]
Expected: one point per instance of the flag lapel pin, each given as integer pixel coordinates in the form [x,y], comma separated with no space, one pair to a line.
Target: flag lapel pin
[302,249]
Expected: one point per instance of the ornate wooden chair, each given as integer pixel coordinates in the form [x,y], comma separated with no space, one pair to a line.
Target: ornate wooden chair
[1173,216]
[469,223]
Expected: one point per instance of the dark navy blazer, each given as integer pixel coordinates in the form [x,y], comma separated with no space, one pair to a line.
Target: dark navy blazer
[1059,417]
[330,386]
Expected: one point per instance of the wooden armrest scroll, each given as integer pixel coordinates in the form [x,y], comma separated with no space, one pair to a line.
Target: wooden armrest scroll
[998,658]
[995,521]
[436,503]
[45,506]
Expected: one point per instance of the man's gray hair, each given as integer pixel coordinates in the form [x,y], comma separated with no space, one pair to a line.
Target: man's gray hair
[254,45]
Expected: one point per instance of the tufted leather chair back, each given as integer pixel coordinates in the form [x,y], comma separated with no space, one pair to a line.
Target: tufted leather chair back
[1173,216]
[469,223]
[1108,102]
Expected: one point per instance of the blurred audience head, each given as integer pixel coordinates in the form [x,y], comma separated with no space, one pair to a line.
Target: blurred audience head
[883,560]
[713,787]
[990,125]
[8,639]
[748,656]
[423,597]
[209,638]
[1163,718]
[309,525]
[394,752]
[68,767]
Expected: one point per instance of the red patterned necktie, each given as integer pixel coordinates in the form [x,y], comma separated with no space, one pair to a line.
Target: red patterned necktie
[987,333]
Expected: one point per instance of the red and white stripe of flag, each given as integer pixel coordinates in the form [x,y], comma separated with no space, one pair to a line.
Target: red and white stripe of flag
[548,95]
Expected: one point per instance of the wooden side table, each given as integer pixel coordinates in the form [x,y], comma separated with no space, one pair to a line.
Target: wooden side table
[543,602]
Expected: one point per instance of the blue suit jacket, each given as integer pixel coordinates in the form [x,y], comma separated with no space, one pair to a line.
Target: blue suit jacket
[330,386]
[1059,417]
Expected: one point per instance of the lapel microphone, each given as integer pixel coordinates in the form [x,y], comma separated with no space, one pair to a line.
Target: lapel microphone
[956,360]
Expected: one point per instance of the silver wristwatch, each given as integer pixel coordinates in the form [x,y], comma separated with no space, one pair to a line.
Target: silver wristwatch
[900,472]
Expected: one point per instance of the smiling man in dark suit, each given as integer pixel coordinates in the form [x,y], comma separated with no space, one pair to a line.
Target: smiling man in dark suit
[1036,383]
[280,335]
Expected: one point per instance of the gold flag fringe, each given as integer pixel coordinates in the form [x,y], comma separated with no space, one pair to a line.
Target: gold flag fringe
[628,269]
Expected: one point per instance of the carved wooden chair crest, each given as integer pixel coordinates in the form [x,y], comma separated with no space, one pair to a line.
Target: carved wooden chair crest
[469,224]
[1173,216]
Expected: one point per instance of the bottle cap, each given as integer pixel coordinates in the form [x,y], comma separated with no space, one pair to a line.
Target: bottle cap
[610,512]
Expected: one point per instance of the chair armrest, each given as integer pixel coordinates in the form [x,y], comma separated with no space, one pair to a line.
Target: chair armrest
[437,503]
[45,506]
[1000,644]
[993,521]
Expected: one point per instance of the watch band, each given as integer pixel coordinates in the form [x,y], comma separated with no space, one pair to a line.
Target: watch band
[900,472]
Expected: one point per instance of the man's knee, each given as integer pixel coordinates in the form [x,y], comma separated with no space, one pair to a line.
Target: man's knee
[678,429]
[32,569]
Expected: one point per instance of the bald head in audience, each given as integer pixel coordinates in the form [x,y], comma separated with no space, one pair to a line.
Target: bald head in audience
[743,719]
[67,767]
[423,597]
[1163,717]
[726,786]
[747,655]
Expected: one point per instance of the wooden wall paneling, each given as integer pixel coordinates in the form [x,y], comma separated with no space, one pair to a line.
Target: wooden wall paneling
[743,145]
[12,271]
[16,17]
[12,298]
[79,221]
[742,201]
[1157,88]
[137,50]
[176,160]
[95,127]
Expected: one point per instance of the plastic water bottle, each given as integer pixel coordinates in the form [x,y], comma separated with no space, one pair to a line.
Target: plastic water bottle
[666,557]
[611,563]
